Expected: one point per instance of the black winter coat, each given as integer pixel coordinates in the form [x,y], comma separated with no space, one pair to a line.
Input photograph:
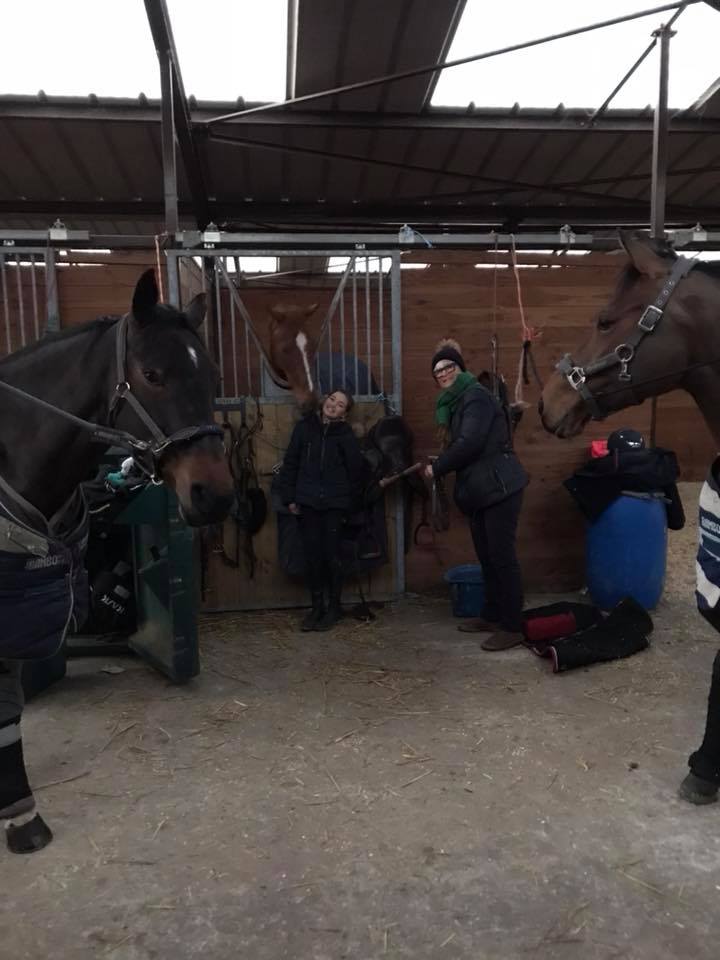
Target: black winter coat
[323,466]
[480,453]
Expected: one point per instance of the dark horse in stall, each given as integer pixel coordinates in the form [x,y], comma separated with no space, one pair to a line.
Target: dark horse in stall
[660,331]
[147,381]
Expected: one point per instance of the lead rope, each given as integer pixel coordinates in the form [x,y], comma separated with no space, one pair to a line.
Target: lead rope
[529,334]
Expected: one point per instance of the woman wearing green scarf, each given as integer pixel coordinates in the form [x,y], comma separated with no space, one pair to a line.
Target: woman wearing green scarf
[489,485]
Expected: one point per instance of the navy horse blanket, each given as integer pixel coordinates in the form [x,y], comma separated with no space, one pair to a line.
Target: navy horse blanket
[43,581]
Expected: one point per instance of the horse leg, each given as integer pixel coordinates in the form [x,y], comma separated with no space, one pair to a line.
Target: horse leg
[26,831]
[700,786]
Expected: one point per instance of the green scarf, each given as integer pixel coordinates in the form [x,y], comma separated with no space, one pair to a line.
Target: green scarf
[448,399]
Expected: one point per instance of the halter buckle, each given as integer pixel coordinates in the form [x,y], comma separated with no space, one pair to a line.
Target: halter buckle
[650,318]
[576,377]
[122,388]
[624,352]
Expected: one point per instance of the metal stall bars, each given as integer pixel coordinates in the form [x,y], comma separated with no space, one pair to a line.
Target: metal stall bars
[28,296]
[358,339]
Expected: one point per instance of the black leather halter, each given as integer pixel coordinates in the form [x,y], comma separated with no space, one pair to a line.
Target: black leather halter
[624,353]
[123,393]
[146,453]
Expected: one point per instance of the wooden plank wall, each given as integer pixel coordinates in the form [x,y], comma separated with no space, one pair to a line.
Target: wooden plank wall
[451,297]
[454,298]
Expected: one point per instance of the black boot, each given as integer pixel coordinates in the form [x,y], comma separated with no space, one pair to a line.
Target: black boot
[317,612]
[334,611]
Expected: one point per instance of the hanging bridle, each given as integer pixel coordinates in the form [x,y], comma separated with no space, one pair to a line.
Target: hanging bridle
[624,353]
[146,453]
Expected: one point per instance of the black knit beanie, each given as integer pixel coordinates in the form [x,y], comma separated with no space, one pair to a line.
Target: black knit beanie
[448,353]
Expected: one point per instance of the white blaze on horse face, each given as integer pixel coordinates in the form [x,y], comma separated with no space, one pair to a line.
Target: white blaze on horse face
[193,356]
[301,340]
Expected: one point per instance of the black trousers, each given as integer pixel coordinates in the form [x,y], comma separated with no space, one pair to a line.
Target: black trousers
[493,531]
[705,762]
[321,534]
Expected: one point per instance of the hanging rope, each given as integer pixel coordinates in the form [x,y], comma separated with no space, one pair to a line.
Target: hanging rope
[526,360]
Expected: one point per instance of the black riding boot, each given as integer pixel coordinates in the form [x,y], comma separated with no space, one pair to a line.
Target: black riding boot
[317,612]
[334,611]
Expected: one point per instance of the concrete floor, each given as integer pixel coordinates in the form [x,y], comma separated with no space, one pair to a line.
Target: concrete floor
[387,791]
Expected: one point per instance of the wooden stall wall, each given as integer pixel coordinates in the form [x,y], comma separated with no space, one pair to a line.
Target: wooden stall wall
[452,297]
[93,285]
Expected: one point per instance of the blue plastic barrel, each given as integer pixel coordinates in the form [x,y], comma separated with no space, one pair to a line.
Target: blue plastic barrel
[467,589]
[626,552]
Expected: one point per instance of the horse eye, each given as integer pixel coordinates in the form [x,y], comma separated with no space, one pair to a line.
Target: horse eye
[604,322]
[153,377]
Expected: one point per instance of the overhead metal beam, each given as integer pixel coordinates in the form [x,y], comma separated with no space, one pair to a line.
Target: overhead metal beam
[394,211]
[159,20]
[436,118]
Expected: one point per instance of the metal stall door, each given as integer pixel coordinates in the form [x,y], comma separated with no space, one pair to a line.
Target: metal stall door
[357,329]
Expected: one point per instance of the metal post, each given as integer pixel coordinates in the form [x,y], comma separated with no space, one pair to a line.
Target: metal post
[33,275]
[396,346]
[368,334]
[51,292]
[168,144]
[173,275]
[292,39]
[6,304]
[660,138]
[658,194]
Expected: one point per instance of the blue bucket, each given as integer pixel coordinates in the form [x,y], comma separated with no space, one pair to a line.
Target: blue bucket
[467,589]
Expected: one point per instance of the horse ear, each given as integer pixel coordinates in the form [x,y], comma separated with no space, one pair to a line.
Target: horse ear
[278,312]
[146,297]
[195,311]
[309,311]
[652,258]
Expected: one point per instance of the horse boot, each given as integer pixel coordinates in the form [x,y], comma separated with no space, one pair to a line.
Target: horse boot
[317,612]
[25,830]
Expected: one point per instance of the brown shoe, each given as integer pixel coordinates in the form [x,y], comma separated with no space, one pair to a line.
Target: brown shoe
[477,626]
[502,640]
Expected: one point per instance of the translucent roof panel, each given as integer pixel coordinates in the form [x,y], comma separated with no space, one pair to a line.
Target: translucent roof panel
[77,47]
[579,71]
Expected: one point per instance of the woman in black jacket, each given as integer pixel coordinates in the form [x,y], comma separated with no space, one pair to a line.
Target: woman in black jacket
[319,482]
[489,485]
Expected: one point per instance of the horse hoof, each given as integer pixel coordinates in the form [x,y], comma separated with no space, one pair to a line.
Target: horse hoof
[28,837]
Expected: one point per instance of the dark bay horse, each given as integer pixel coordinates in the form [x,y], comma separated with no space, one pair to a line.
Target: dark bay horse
[660,331]
[146,377]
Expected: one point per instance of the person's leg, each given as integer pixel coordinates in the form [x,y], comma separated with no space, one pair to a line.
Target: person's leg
[311,527]
[501,529]
[334,521]
[491,607]
[701,784]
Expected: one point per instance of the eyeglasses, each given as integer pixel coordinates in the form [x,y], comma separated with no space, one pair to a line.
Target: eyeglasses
[439,371]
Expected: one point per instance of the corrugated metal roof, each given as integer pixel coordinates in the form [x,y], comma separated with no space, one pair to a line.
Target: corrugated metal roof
[375,156]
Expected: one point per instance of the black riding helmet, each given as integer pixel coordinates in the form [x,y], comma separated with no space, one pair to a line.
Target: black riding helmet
[626,439]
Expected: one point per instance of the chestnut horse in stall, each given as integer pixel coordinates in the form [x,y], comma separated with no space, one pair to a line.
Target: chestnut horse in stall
[660,331]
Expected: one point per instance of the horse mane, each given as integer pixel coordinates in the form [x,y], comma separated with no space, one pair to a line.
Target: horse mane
[99,325]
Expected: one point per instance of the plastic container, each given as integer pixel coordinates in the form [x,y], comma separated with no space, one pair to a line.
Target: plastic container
[626,552]
[467,589]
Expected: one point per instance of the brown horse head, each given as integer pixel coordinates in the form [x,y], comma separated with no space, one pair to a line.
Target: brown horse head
[660,360]
[292,350]
[172,375]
